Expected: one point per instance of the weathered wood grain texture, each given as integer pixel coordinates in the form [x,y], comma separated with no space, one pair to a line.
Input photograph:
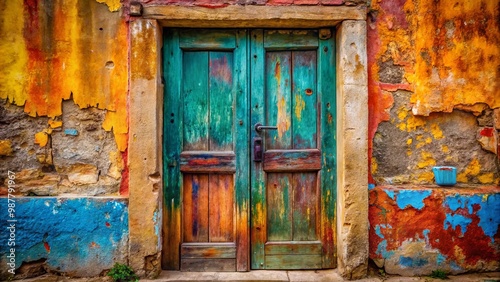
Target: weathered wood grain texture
[195,207]
[205,265]
[305,213]
[293,262]
[195,101]
[328,181]
[279,206]
[221,208]
[204,250]
[202,39]
[294,248]
[221,101]
[209,96]
[292,160]
[172,127]
[278,95]
[292,201]
[290,39]
[304,99]
[207,161]
[236,16]
[241,131]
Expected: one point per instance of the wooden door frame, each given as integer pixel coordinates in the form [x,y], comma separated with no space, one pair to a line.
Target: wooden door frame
[146,119]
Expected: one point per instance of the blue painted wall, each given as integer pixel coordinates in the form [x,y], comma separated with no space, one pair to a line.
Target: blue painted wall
[77,236]
[415,230]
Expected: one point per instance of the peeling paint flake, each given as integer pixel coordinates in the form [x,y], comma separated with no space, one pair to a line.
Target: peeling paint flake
[113,5]
[456,220]
[412,198]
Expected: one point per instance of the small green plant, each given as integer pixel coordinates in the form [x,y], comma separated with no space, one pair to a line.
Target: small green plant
[439,274]
[122,273]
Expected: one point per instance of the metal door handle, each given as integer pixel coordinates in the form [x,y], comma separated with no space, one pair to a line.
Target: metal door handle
[259,127]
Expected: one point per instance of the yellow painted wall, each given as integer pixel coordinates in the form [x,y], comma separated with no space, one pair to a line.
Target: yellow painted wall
[55,50]
[426,59]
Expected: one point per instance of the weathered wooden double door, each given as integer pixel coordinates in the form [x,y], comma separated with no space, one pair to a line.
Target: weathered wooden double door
[249,149]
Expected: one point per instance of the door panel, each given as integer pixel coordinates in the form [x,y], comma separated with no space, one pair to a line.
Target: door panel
[212,104]
[206,151]
[293,186]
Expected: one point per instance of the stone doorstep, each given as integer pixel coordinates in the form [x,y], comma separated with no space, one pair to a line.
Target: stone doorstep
[272,276]
[306,276]
[256,275]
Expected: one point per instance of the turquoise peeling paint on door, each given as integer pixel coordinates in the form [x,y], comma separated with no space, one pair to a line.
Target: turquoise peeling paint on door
[240,196]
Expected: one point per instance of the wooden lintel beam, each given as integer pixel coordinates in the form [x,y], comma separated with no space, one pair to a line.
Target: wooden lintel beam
[236,16]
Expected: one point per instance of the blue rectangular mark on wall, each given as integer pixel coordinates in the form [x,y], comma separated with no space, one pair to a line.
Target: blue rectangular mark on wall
[76,236]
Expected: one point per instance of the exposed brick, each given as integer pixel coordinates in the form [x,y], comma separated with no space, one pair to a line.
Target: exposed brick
[332,2]
[280,2]
[306,2]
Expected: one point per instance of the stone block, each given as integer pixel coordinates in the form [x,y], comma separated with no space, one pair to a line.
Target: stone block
[352,147]
[496,118]
[143,157]
[82,174]
[488,138]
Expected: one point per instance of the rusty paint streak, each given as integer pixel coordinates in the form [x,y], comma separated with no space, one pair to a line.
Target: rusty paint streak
[300,104]
[283,119]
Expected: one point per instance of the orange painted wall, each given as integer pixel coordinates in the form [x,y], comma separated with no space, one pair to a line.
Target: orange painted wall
[55,50]
[448,56]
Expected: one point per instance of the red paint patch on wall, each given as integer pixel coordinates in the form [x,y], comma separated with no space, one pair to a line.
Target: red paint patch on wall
[398,15]
[487,132]
[46,246]
[379,102]
[410,224]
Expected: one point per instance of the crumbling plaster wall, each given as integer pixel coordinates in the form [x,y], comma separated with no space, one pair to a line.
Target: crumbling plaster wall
[434,93]
[434,98]
[63,135]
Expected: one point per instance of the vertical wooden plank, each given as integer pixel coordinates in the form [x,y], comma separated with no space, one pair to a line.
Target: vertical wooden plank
[278,100]
[221,206]
[221,101]
[241,128]
[304,96]
[195,206]
[279,206]
[326,86]
[196,102]
[172,125]
[258,196]
[305,207]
